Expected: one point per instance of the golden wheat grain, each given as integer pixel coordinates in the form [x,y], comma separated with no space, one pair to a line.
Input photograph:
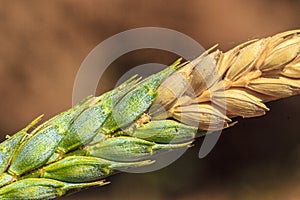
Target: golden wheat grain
[248,75]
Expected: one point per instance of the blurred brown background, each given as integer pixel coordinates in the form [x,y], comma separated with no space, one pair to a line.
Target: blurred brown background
[42,44]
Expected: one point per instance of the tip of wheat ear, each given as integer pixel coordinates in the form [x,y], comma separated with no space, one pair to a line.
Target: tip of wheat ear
[125,127]
[239,81]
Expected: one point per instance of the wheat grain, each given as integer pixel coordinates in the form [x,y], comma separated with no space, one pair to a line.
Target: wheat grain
[101,135]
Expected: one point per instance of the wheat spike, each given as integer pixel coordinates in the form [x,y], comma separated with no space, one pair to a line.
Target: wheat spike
[123,128]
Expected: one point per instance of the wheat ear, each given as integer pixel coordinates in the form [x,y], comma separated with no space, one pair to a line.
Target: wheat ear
[124,127]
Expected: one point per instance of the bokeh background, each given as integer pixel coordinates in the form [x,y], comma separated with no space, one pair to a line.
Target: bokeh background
[42,44]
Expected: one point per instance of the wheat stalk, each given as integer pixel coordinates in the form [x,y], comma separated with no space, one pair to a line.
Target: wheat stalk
[123,128]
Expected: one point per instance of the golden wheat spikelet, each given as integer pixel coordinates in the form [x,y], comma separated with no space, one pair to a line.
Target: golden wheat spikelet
[254,72]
